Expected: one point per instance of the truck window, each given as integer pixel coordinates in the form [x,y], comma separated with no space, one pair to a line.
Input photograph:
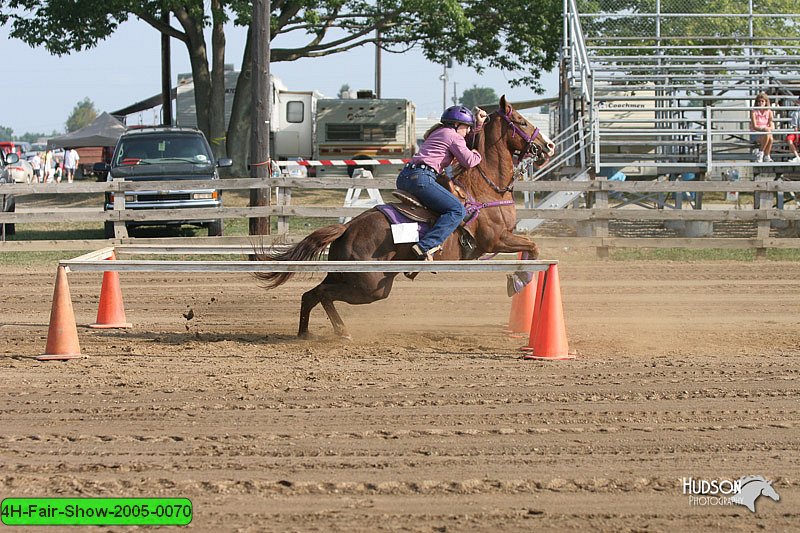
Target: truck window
[162,150]
[295,111]
[361,132]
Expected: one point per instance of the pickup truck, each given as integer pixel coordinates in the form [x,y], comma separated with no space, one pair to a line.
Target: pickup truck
[157,154]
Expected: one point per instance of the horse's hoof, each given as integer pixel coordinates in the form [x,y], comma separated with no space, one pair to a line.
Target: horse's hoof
[304,335]
[345,336]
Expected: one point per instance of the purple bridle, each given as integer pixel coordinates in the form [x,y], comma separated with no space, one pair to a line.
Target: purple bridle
[516,129]
[474,208]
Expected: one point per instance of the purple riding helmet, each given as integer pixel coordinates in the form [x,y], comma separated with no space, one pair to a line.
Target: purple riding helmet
[457,114]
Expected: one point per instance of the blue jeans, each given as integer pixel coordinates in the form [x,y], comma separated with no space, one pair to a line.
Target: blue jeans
[421,183]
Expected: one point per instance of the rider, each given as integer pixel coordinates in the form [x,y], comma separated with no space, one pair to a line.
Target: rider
[443,143]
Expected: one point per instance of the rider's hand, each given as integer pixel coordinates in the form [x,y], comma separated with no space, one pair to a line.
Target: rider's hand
[480,117]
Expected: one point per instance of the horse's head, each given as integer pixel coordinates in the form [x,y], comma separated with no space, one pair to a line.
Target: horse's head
[522,137]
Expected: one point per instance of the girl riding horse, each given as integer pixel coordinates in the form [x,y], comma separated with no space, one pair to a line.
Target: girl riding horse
[487,188]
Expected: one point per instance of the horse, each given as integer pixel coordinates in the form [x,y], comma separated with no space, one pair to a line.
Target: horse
[487,192]
[751,488]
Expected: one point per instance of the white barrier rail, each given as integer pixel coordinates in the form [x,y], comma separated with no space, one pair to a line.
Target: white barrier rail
[105,265]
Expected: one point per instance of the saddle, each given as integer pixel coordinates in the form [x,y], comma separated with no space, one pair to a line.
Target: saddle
[412,208]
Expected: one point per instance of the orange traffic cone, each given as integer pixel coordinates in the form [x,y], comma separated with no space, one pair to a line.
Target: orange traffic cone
[550,340]
[62,335]
[537,311]
[110,310]
[522,305]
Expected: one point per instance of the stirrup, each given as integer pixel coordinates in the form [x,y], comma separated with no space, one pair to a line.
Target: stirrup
[427,256]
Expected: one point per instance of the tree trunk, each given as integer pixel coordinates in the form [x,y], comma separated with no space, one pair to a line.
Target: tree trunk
[217,90]
[196,46]
[238,142]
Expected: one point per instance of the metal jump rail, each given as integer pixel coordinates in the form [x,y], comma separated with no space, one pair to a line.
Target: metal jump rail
[98,261]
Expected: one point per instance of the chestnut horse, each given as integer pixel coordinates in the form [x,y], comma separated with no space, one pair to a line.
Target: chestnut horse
[368,237]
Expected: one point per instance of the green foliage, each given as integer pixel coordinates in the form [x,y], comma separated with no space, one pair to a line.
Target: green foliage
[7,134]
[82,115]
[477,96]
[521,36]
[34,137]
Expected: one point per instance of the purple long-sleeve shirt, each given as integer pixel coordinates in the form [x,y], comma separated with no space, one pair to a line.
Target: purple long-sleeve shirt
[444,145]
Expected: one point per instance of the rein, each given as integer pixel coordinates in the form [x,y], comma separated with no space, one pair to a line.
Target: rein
[515,129]
[473,207]
[531,148]
[493,185]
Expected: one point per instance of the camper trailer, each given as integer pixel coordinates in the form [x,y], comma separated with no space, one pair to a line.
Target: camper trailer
[292,112]
[365,128]
[306,126]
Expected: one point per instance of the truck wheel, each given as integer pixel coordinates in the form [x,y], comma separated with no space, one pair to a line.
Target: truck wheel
[108,228]
[215,229]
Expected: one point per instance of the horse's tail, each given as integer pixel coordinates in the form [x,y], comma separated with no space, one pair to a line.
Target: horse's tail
[309,249]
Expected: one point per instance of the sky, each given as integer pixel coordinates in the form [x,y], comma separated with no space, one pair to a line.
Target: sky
[39,91]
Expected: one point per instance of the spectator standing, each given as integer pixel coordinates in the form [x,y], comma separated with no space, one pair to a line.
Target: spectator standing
[56,168]
[36,165]
[794,138]
[71,159]
[48,166]
[762,120]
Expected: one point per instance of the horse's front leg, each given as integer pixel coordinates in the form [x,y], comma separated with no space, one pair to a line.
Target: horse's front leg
[517,243]
[510,242]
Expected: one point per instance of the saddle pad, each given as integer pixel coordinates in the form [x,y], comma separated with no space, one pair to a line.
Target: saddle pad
[395,215]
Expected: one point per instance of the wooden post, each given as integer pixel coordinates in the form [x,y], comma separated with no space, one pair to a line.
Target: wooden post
[120,229]
[763,202]
[283,196]
[260,119]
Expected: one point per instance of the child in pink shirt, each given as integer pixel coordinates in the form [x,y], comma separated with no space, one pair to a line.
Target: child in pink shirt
[443,143]
[761,120]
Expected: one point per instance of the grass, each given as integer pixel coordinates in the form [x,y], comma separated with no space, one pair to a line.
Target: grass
[35,259]
[707,254]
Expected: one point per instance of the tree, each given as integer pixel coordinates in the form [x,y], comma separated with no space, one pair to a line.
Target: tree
[33,137]
[519,36]
[82,115]
[6,133]
[344,89]
[478,96]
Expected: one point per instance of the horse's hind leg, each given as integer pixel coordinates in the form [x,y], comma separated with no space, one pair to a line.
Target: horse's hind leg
[310,300]
[354,289]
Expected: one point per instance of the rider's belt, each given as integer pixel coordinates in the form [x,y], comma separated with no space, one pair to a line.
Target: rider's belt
[411,166]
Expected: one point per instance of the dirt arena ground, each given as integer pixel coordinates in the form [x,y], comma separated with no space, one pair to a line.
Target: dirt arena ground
[428,420]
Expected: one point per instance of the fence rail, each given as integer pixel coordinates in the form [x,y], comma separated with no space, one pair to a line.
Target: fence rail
[596,213]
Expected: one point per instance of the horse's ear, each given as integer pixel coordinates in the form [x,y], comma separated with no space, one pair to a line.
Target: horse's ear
[503,105]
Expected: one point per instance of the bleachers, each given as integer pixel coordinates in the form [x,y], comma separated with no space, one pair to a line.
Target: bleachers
[671,91]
